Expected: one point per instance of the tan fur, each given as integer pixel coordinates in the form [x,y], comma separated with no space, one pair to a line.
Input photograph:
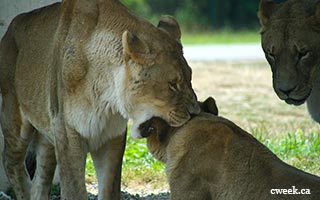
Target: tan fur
[290,34]
[4,183]
[210,158]
[71,76]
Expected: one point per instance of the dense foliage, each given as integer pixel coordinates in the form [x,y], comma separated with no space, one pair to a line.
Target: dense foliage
[195,15]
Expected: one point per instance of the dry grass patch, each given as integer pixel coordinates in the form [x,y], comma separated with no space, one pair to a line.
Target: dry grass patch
[244,94]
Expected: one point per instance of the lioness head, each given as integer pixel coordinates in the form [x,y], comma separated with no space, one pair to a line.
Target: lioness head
[158,127]
[290,35]
[158,76]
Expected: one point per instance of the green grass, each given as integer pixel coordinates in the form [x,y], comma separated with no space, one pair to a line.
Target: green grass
[90,172]
[138,158]
[139,167]
[299,149]
[221,37]
[137,163]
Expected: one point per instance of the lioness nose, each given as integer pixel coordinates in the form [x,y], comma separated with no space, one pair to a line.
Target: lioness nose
[194,109]
[285,82]
[286,91]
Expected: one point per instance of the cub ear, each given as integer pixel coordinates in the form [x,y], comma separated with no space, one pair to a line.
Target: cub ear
[136,49]
[209,106]
[266,9]
[170,25]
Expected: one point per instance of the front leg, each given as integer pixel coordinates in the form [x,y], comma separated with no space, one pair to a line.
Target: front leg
[108,161]
[71,153]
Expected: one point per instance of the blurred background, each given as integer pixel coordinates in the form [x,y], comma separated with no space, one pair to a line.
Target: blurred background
[205,15]
[222,45]
[193,15]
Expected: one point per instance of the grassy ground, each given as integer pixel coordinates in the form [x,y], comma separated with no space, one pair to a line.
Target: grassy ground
[221,37]
[244,95]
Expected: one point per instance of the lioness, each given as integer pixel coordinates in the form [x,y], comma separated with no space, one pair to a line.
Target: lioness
[291,41]
[72,74]
[212,158]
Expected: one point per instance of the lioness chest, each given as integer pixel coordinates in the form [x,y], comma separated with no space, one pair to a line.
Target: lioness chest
[95,121]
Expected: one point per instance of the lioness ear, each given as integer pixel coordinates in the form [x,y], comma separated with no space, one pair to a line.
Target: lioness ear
[135,49]
[317,10]
[266,9]
[170,25]
[209,106]
[314,19]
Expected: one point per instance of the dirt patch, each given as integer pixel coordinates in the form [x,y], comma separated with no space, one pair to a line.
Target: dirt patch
[128,196]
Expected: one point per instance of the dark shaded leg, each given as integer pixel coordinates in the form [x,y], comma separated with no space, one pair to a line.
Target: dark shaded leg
[17,136]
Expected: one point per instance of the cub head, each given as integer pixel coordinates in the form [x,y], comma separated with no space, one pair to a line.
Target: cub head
[158,132]
[290,35]
[158,78]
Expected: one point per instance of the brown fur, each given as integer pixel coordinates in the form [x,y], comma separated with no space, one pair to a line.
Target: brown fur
[290,34]
[210,158]
[71,76]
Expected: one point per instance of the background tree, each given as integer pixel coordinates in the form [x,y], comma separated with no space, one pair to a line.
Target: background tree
[195,15]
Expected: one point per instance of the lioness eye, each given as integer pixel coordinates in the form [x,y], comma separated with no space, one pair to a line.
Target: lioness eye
[271,56]
[173,85]
[303,54]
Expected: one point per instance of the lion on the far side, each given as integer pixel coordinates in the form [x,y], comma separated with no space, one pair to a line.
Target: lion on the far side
[290,34]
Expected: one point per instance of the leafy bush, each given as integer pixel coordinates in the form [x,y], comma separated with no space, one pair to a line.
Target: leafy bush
[200,15]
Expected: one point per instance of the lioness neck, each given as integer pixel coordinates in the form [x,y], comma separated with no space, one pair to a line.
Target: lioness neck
[104,50]
[114,20]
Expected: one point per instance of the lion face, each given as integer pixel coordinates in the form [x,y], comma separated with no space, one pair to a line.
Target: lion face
[158,77]
[158,132]
[290,40]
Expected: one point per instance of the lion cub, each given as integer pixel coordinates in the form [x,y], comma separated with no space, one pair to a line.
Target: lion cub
[212,158]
